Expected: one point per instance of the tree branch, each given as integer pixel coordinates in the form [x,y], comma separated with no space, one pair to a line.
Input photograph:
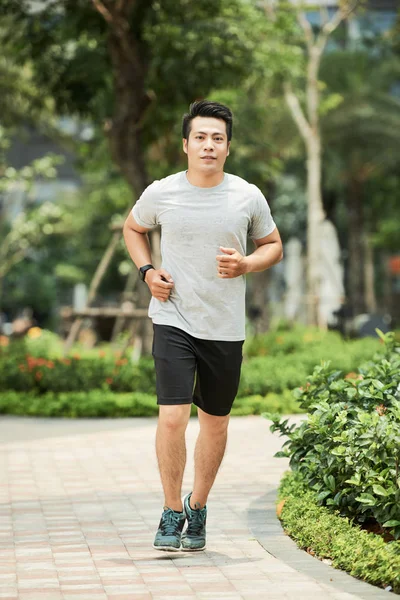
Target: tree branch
[330,26]
[306,27]
[119,25]
[297,112]
[99,6]
[339,16]
[324,15]
[13,260]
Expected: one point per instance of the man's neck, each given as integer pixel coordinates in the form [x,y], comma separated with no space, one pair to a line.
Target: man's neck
[204,181]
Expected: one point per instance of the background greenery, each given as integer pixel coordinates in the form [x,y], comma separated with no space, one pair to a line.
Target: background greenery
[63,62]
[36,378]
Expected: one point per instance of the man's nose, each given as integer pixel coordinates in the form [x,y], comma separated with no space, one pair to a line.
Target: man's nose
[209,144]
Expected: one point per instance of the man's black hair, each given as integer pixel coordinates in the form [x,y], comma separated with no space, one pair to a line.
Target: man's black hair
[205,108]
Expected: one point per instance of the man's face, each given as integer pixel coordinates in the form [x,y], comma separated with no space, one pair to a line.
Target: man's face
[207,146]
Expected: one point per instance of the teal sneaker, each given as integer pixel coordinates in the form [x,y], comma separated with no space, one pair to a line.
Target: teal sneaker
[168,536]
[194,537]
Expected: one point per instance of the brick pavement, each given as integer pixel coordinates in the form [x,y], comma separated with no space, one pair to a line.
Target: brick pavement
[80,503]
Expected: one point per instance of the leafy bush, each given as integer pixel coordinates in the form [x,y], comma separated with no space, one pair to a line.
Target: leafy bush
[263,374]
[348,450]
[303,340]
[105,403]
[36,363]
[94,403]
[260,376]
[283,404]
[326,534]
[75,373]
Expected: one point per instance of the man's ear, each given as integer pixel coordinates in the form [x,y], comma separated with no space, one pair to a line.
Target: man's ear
[185,145]
[229,145]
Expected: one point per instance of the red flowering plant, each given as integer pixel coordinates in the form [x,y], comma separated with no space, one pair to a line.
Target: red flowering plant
[22,371]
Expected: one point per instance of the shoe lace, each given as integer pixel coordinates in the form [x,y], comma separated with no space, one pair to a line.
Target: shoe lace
[196,522]
[170,522]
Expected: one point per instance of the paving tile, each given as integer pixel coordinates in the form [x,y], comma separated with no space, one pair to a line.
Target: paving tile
[80,509]
[39,595]
[129,596]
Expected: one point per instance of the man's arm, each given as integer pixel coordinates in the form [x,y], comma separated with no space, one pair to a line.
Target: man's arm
[137,242]
[268,252]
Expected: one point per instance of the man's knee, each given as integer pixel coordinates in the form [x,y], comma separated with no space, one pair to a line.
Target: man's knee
[213,424]
[175,417]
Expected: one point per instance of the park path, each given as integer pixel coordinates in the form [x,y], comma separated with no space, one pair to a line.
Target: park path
[80,502]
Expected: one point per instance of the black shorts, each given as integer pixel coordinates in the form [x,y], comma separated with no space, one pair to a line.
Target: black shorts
[181,360]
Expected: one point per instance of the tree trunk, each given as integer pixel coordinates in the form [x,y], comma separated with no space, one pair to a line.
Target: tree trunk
[356,248]
[258,302]
[369,276]
[131,102]
[387,289]
[315,215]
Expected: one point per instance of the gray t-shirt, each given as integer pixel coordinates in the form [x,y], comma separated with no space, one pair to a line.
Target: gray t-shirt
[195,222]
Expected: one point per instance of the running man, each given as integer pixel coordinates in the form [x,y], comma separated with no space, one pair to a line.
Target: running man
[198,307]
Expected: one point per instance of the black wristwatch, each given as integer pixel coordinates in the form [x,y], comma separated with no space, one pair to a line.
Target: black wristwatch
[143,271]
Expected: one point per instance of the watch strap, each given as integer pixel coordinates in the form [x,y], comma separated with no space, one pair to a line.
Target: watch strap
[143,270]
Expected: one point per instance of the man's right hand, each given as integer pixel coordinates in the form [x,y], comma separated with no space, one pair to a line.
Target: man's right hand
[160,283]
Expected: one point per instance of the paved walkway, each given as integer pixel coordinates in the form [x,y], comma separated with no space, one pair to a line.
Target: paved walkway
[80,502]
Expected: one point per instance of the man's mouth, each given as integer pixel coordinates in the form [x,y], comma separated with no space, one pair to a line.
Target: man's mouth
[208,157]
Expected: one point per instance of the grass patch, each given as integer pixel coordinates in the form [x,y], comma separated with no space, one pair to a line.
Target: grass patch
[328,535]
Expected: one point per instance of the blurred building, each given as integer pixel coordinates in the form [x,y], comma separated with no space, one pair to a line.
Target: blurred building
[30,144]
[27,147]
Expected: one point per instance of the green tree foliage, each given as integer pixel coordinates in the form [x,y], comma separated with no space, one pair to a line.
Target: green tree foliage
[181,50]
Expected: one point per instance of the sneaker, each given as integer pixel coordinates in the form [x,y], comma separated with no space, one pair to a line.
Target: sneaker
[168,536]
[194,537]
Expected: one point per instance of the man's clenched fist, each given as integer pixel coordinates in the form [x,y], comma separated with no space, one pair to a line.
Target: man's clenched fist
[231,263]
[160,283]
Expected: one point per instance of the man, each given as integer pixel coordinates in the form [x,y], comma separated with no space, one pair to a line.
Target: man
[198,307]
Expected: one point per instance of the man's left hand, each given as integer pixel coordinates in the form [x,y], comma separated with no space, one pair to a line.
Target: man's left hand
[231,263]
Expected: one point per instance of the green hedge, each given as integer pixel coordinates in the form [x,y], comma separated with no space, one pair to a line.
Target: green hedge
[75,373]
[329,535]
[104,403]
[348,449]
[263,374]
[306,340]
[21,370]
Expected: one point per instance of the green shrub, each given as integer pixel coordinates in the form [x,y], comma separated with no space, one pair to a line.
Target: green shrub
[283,404]
[348,449]
[36,363]
[326,345]
[105,403]
[19,371]
[42,342]
[329,535]
[263,374]
[94,403]
[296,339]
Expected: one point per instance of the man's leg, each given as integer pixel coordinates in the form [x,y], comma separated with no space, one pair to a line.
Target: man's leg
[175,364]
[209,452]
[171,451]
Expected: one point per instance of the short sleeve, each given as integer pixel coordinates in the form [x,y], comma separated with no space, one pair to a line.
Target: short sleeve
[145,210]
[261,221]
